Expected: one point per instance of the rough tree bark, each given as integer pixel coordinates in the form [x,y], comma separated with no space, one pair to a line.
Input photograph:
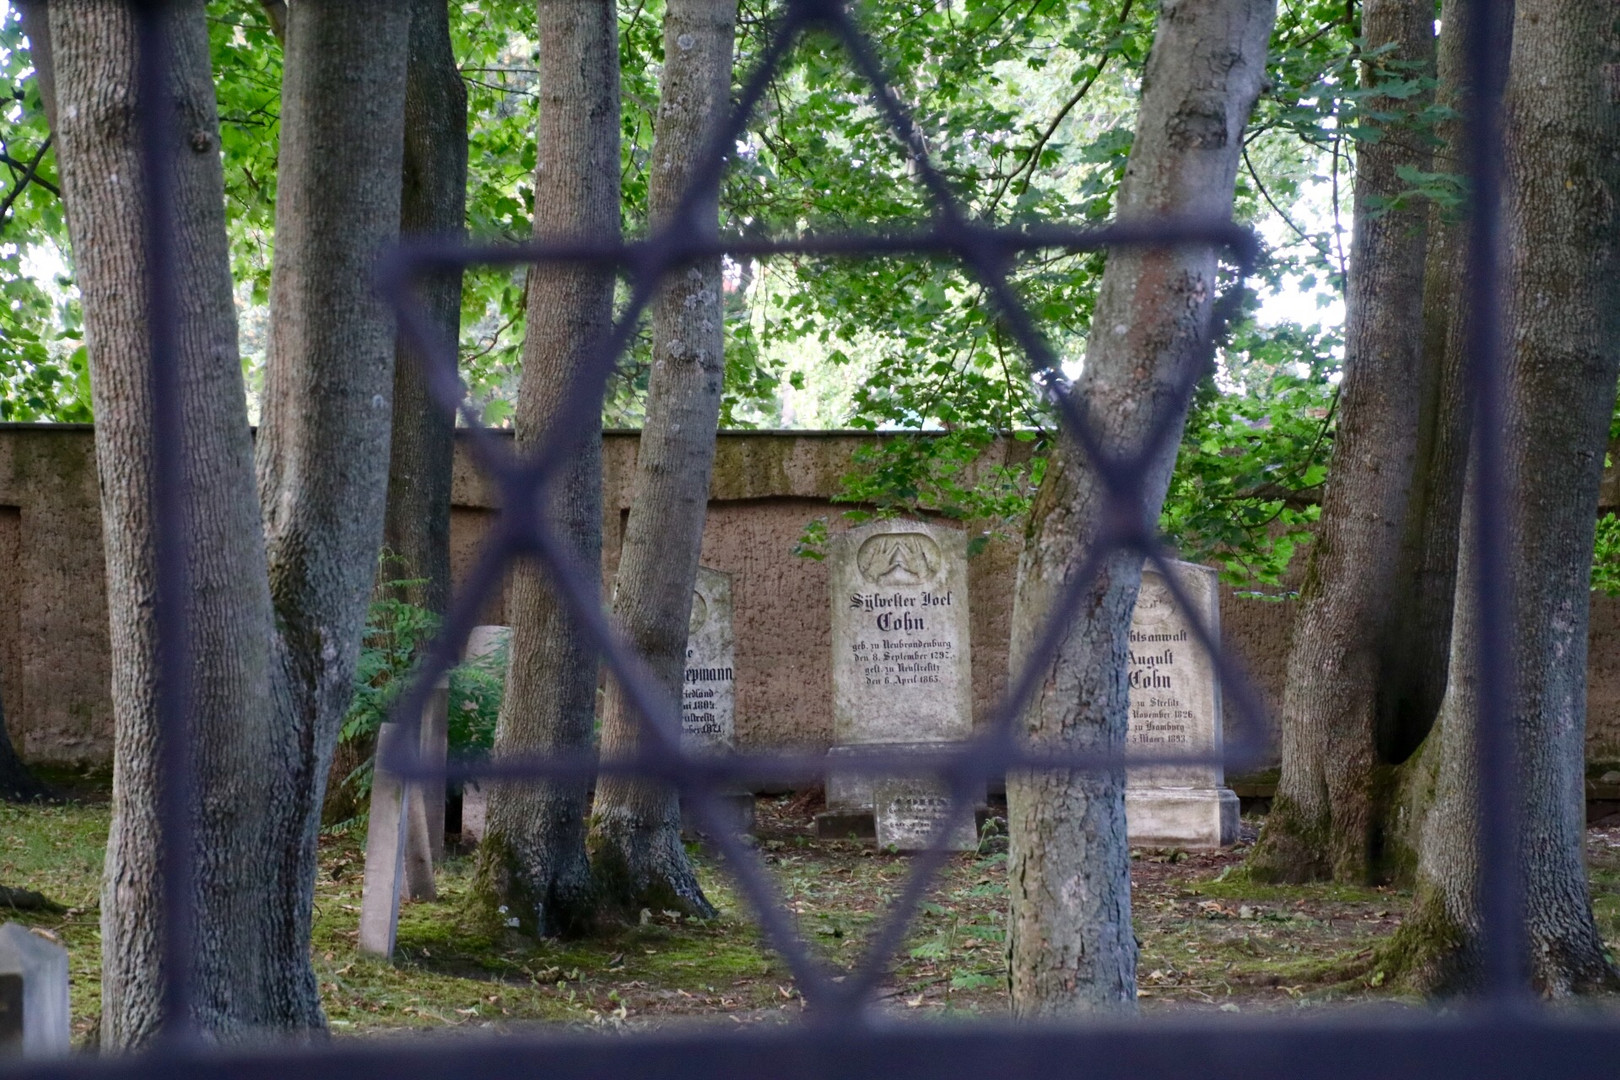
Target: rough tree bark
[1417,643]
[1562,336]
[1323,822]
[532,860]
[102,182]
[433,202]
[635,840]
[1070,939]
[322,453]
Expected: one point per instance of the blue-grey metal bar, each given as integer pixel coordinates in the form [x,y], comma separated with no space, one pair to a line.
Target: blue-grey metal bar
[170,498]
[1501,888]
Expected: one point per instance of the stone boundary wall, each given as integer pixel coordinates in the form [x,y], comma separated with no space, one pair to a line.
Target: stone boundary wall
[55,669]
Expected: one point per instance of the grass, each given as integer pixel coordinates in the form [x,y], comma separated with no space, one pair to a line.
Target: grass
[1211,940]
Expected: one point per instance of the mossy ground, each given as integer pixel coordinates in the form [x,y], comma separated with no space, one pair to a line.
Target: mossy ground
[1211,938]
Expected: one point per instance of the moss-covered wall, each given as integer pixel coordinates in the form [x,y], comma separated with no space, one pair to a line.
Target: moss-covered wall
[54,668]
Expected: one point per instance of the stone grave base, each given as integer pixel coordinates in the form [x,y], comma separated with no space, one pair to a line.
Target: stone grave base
[1181,817]
[738,811]
[852,791]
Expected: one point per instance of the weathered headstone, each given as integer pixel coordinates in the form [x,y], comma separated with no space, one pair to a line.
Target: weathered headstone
[709,688]
[708,683]
[902,655]
[1176,709]
[911,811]
[385,853]
[483,641]
[34,1015]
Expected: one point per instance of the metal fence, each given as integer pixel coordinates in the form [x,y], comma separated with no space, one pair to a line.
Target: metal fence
[1502,1033]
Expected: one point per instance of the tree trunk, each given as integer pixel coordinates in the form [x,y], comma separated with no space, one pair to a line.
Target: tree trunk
[532,860]
[1417,644]
[17,784]
[322,452]
[1323,822]
[433,203]
[1070,939]
[98,147]
[635,840]
[1562,248]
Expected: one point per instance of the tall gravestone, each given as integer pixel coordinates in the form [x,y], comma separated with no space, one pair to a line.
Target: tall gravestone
[708,683]
[1176,709]
[34,1015]
[902,654]
[709,688]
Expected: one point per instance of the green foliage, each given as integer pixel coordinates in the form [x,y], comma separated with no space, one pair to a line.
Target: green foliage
[397,636]
[1255,454]
[44,374]
[1606,556]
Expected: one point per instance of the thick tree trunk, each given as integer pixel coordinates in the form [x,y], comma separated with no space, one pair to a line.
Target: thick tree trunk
[1071,943]
[1417,644]
[635,840]
[1323,822]
[1563,339]
[102,182]
[322,452]
[532,860]
[433,202]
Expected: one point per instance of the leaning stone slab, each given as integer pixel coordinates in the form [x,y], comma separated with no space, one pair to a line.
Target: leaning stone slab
[911,811]
[1175,703]
[385,852]
[902,651]
[34,1015]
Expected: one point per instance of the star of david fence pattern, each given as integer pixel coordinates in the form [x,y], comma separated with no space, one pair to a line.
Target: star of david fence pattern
[1502,1034]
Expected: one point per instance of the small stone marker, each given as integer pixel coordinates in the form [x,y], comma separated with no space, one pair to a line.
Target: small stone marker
[435,751]
[708,683]
[902,655]
[34,1015]
[385,853]
[424,819]
[910,812]
[474,810]
[1176,708]
[482,642]
[709,689]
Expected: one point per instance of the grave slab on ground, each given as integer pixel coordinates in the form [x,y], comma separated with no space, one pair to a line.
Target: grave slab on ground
[34,1015]
[915,814]
[1175,703]
[902,655]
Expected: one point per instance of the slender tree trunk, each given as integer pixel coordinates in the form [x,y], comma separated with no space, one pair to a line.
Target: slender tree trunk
[1070,938]
[1323,822]
[635,840]
[532,860]
[1562,256]
[17,784]
[322,452]
[102,181]
[433,202]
